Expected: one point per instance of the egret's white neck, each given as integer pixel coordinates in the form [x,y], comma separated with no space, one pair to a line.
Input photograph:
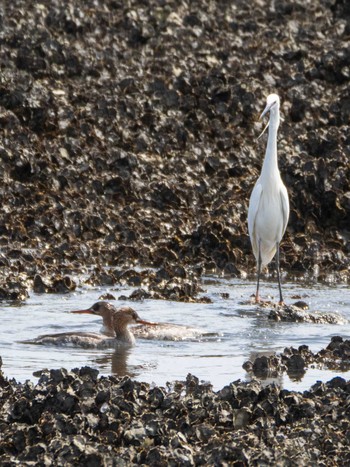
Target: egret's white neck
[270,165]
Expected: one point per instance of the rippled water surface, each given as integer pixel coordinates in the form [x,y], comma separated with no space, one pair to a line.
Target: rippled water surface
[240,331]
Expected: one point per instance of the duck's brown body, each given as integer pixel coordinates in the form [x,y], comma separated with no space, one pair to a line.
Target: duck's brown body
[76,339]
[115,329]
[144,330]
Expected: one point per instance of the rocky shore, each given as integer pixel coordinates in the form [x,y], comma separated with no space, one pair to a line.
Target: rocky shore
[78,418]
[128,138]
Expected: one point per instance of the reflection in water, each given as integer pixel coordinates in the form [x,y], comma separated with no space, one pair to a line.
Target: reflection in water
[118,361]
[265,367]
[296,375]
[237,332]
[278,380]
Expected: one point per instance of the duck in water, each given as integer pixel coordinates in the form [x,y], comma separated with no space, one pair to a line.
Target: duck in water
[145,329]
[116,330]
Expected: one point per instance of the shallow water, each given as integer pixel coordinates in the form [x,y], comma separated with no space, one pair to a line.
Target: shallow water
[242,331]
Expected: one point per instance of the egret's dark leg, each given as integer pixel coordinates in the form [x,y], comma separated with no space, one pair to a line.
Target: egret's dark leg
[257,298]
[278,271]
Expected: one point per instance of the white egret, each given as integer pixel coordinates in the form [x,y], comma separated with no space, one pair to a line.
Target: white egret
[268,205]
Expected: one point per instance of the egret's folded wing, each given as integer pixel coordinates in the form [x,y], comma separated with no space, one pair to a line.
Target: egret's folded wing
[252,212]
[285,207]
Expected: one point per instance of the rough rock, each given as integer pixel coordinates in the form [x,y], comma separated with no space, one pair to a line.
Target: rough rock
[76,417]
[128,136]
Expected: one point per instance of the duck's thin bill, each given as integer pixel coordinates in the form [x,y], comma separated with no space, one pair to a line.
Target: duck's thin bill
[88,311]
[148,323]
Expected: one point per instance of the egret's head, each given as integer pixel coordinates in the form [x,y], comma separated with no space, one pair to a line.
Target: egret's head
[272,102]
[272,106]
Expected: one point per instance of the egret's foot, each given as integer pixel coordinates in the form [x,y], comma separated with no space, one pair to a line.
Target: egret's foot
[255,298]
[259,301]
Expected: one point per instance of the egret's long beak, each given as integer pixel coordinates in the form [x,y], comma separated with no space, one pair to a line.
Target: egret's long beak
[148,323]
[88,311]
[267,109]
[266,127]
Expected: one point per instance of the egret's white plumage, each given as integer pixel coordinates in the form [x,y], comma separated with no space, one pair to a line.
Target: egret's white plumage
[269,205]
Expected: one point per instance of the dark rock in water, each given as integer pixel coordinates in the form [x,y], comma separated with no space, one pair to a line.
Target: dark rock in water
[63,285]
[107,296]
[12,289]
[296,366]
[39,285]
[264,366]
[139,294]
[295,362]
[57,285]
[336,343]
[167,283]
[297,315]
[301,304]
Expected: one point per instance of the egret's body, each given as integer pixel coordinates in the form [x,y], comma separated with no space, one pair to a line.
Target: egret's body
[269,205]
